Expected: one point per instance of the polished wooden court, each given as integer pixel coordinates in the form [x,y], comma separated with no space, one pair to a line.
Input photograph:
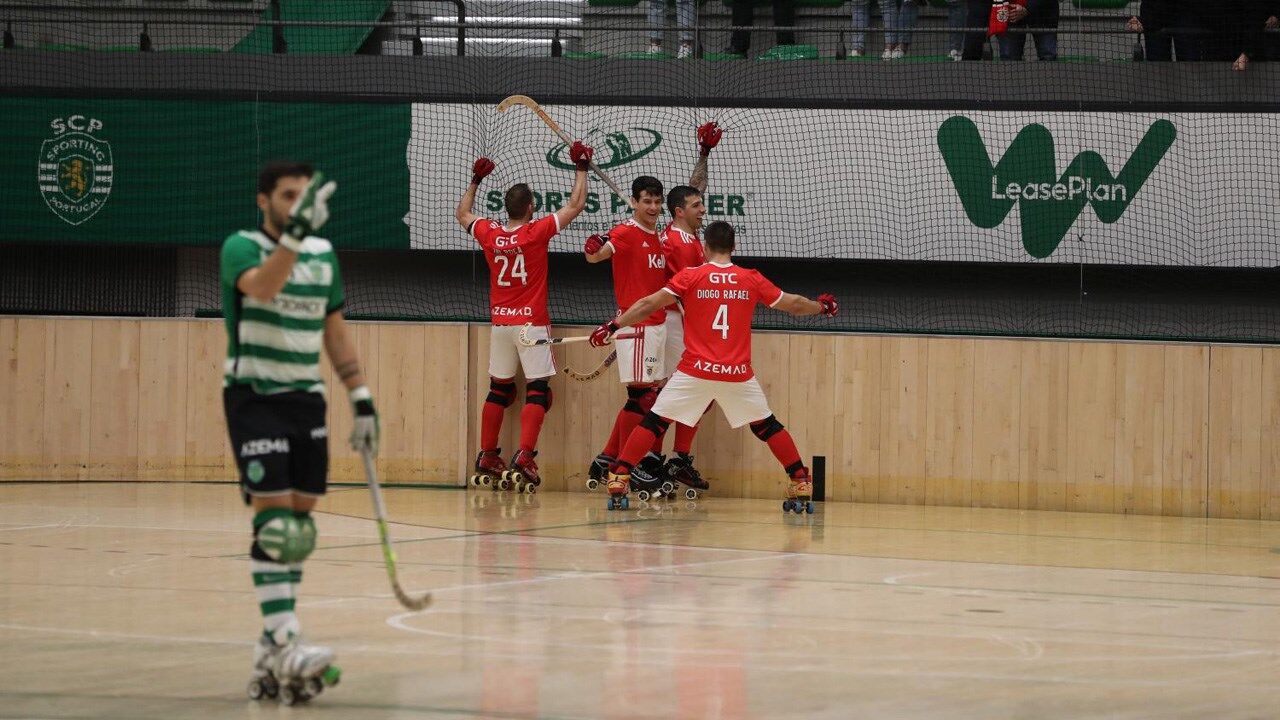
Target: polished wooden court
[133,600]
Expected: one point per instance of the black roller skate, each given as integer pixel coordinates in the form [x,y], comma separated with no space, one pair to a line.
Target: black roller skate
[799,493]
[647,480]
[617,484]
[523,474]
[679,469]
[489,468]
[598,472]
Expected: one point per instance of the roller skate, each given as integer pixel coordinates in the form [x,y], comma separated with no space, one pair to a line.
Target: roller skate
[262,682]
[800,493]
[647,480]
[680,469]
[599,471]
[523,475]
[304,671]
[617,484]
[489,468]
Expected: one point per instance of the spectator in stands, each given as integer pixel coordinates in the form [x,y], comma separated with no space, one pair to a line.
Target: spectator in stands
[977,15]
[955,19]
[784,15]
[1169,30]
[686,18]
[1036,14]
[900,18]
[1234,31]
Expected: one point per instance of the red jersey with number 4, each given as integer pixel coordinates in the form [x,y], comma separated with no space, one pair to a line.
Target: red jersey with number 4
[517,269]
[639,267]
[719,302]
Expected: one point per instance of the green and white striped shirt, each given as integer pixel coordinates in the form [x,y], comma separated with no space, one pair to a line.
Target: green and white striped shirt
[275,346]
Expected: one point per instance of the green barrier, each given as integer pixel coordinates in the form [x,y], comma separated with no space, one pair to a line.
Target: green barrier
[303,40]
[184,172]
[790,52]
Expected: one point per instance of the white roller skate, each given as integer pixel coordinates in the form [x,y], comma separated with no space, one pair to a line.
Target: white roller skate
[262,682]
[303,671]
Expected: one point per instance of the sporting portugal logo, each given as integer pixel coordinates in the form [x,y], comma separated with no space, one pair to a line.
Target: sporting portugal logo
[76,170]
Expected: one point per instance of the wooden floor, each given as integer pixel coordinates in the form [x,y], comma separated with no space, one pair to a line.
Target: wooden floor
[134,601]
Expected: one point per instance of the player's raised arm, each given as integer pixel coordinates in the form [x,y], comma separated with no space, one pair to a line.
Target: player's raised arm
[581,156]
[309,211]
[709,135]
[479,170]
[799,305]
[639,310]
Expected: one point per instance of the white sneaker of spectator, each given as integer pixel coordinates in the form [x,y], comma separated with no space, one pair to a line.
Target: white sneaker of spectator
[856,53]
[654,47]
[956,55]
[898,54]
[887,54]
[685,51]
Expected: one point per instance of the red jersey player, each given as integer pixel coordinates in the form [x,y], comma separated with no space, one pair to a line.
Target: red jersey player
[517,258]
[719,299]
[639,259]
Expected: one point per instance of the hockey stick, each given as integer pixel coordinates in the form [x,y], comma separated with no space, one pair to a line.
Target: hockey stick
[388,553]
[527,341]
[588,377]
[529,102]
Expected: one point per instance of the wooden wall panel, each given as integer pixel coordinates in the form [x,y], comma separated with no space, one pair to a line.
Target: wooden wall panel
[344,464]
[1043,428]
[853,465]
[113,400]
[1235,422]
[1112,427]
[162,396]
[997,422]
[904,366]
[949,428]
[1139,429]
[1091,427]
[1185,481]
[22,396]
[67,428]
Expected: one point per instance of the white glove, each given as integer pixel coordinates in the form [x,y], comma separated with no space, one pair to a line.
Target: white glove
[310,213]
[365,429]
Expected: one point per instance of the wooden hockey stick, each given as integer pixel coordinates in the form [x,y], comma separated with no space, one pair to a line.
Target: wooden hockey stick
[588,377]
[388,554]
[527,341]
[529,102]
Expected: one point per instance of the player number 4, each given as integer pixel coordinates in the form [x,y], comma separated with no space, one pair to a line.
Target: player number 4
[516,267]
[721,322]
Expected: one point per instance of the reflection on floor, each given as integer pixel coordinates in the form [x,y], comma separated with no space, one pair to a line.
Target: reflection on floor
[134,601]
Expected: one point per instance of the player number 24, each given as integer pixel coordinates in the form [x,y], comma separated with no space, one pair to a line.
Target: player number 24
[721,322]
[515,266]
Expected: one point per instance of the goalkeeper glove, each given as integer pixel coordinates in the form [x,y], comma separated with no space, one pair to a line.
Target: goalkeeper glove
[603,335]
[709,135]
[309,213]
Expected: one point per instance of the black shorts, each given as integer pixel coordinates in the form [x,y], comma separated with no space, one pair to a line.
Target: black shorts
[280,441]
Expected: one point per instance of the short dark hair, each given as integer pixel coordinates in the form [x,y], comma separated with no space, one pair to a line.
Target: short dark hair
[719,236]
[518,200]
[271,173]
[678,196]
[646,183]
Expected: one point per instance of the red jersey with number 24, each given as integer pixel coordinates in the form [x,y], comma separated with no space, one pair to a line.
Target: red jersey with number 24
[719,302]
[517,269]
[639,267]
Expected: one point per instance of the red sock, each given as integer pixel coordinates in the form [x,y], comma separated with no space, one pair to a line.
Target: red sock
[611,447]
[627,423]
[784,448]
[684,437]
[530,425]
[490,425]
[639,442]
[657,444]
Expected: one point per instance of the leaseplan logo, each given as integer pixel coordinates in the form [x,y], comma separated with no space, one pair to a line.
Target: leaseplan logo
[1051,203]
[612,149]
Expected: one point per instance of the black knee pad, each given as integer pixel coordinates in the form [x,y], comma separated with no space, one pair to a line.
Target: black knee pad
[766,428]
[636,399]
[655,423]
[538,392]
[501,392]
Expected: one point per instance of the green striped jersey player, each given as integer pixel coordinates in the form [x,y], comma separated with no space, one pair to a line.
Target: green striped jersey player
[282,300]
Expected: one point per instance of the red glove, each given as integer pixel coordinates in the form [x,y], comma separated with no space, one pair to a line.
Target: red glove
[581,155]
[829,305]
[603,335]
[709,135]
[595,243]
[481,169]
